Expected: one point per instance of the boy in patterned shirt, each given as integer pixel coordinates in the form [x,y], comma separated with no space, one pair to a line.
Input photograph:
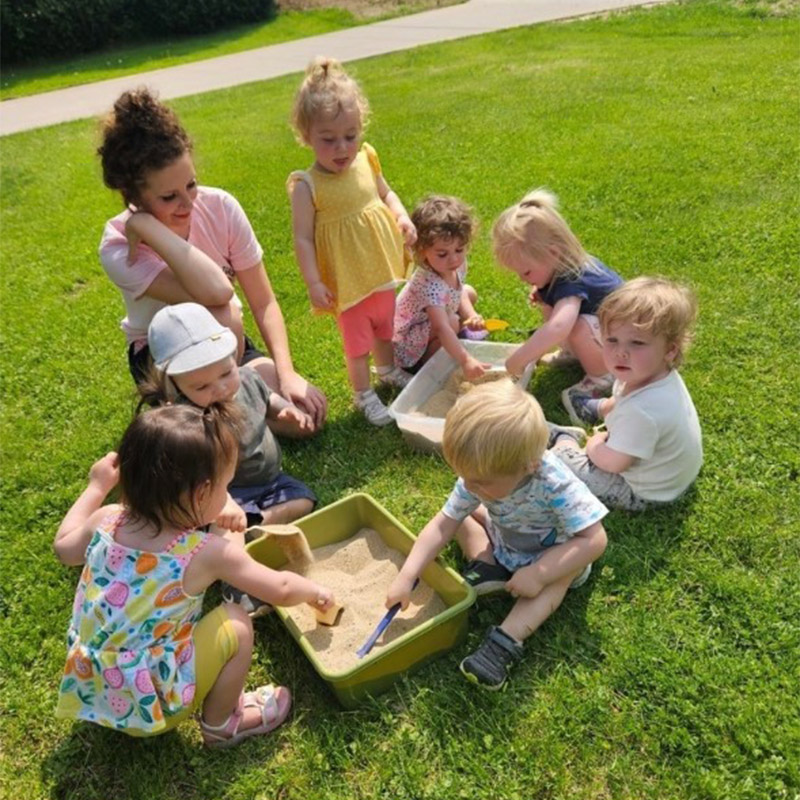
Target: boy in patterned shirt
[525,522]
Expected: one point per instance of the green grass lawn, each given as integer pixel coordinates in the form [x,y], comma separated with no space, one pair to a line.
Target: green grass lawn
[671,136]
[127,59]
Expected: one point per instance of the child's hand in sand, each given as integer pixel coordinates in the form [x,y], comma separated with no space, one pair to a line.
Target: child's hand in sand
[104,473]
[400,592]
[515,365]
[324,599]
[473,369]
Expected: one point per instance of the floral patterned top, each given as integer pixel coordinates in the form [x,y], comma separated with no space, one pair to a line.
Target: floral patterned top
[412,327]
[130,659]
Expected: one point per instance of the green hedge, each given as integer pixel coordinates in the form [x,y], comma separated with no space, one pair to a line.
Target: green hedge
[36,29]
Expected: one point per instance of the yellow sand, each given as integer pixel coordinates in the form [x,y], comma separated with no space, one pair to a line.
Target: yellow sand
[439,403]
[359,571]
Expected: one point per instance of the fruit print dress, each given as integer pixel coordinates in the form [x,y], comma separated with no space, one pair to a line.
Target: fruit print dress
[130,652]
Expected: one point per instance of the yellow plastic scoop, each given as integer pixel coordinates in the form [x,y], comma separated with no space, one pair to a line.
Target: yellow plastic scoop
[495,325]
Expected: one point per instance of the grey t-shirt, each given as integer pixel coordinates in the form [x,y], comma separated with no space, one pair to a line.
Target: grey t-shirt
[259,451]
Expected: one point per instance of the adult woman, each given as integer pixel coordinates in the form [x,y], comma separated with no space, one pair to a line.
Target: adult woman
[179,242]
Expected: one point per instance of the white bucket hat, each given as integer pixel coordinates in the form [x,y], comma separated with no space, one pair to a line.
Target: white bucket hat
[186,337]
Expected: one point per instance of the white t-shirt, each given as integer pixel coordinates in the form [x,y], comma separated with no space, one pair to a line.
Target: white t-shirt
[658,425]
[220,229]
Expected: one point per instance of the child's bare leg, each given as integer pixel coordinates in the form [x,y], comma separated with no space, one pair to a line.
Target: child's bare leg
[586,349]
[382,353]
[529,613]
[223,698]
[473,539]
[287,512]
[358,372]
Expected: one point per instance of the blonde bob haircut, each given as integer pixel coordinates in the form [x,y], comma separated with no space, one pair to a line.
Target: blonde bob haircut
[532,229]
[326,91]
[494,430]
[655,306]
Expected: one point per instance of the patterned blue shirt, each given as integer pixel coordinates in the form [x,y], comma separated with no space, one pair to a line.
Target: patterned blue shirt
[549,507]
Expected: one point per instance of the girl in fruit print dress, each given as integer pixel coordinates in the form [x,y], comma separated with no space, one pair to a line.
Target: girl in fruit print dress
[141,655]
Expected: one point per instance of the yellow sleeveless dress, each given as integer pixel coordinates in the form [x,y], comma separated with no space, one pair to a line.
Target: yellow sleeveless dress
[359,247]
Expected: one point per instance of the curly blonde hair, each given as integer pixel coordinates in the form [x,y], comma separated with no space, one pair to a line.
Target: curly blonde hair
[532,226]
[325,92]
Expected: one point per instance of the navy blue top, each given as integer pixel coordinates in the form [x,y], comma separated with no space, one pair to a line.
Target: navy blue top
[595,282]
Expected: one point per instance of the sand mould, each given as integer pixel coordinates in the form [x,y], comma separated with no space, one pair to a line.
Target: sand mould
[359,570]
[439,403]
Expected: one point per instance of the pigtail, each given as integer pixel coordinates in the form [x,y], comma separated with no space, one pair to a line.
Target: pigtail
[540,198]
[157,389]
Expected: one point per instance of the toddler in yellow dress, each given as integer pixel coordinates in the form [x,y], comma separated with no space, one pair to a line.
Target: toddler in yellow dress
[349,228]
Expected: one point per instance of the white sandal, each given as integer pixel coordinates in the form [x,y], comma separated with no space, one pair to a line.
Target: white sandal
[275,704]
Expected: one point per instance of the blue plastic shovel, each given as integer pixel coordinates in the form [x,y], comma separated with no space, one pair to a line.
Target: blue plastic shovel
[382,625]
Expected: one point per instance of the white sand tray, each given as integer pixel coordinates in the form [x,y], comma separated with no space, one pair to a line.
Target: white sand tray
[359,571]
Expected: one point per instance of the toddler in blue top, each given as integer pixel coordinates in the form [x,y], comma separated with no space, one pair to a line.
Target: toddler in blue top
[526,523]
[532,239]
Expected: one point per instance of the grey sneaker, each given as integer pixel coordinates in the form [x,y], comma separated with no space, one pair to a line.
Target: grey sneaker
[254,607]
[486,578]
[396,377]
[373,408]
[578,434]
[559,358]
[488,665]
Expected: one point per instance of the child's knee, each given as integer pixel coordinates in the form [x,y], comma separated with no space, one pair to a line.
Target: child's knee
[472,295]
[242,624]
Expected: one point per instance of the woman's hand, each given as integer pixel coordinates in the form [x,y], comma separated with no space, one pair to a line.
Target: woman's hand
[104,474]
[306,397]
[321,296]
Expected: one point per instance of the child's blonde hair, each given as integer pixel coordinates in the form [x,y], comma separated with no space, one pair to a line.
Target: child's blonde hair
[326,91]
[532,226]
[495,429]
[440,216]
[656,306]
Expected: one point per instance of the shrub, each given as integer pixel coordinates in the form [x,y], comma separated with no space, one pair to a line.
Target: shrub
[35,29]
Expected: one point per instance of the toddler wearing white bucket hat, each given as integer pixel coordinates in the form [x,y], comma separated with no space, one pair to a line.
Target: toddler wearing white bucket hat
[195,362]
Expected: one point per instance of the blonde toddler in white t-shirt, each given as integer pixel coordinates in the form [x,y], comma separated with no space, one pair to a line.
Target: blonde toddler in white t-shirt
[651,450]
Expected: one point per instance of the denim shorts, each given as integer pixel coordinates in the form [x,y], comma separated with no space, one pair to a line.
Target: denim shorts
[255,499]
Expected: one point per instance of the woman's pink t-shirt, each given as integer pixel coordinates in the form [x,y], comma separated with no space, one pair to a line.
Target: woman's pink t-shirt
[220,229]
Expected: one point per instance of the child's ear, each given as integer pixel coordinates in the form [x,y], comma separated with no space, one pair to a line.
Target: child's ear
[533,466]
[672,353]
[201,493]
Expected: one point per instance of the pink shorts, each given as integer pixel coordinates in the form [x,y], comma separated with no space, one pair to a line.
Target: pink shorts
[369,319]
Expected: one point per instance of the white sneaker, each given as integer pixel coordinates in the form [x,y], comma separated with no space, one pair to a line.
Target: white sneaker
[395,377]
[372,407]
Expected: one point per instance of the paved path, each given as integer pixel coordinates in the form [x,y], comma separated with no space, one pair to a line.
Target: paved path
[439,25]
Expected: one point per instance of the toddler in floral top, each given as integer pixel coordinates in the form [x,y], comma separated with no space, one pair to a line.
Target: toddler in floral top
[436,303]
[141,656]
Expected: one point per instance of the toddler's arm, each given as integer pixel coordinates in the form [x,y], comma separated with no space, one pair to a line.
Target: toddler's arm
[553,332]
[281,409]
[78,526]
[220,559]
[443,330]
[559,561]
[303,215]
[398,210]
[192,276]
[466,311]
[434,536]
[605,457]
